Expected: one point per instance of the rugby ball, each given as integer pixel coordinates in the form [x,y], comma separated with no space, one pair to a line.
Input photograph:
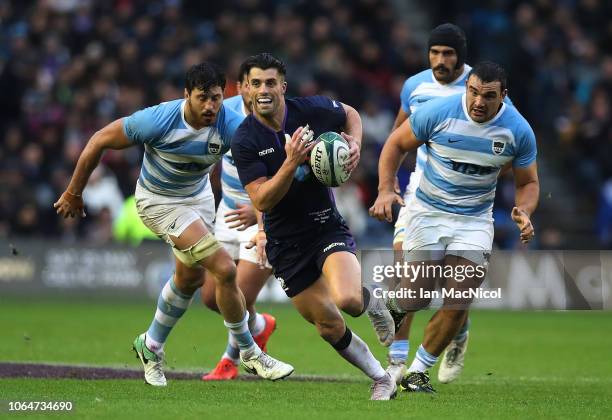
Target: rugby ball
[327,159]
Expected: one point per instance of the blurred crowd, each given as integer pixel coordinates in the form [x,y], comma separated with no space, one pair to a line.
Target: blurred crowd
[68,67]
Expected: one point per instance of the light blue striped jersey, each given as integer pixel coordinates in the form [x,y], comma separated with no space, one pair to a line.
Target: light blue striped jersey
[465,157]
[422,87]
[178,157]
[232,191]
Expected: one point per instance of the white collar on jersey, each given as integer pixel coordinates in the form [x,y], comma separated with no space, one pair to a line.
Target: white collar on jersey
[195,130]
[244,110]
[466,70]
[491,121]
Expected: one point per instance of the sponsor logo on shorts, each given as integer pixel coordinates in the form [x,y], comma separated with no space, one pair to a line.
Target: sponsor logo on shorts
[173,225]
[266,151]
[333,245]
[282,283]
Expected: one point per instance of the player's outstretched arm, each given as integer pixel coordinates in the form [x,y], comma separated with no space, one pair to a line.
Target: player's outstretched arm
[526,199]
[399,119]
[70,204]
[266,193]
[401,141]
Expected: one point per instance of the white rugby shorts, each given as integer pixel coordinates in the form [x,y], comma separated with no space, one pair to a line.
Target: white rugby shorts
[400,223]
[233,240]
[166,215]
[429,229]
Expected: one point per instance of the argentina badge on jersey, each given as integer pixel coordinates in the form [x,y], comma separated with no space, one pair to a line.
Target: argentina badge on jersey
[498,146]
[214,144]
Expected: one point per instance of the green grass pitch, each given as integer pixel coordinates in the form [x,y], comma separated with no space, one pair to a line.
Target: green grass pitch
[519,365]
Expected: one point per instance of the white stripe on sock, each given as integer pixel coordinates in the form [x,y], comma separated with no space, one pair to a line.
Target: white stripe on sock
[172,298]
[167,320]
[240,331]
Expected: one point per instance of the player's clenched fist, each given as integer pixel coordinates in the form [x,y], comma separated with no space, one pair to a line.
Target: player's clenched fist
[299,145]
[382,208]
[70,205]
[522,220]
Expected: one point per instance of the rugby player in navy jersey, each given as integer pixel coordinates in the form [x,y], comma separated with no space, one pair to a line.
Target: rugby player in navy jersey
[308,243]
[182,140]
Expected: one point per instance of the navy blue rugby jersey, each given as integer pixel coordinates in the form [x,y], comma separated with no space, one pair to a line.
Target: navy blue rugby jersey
[259,151]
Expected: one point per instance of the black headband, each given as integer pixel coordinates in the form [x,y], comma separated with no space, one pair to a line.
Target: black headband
[452,36]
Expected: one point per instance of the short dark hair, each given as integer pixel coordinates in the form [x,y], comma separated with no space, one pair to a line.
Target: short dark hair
[262,61]
[243,71]
[488,71]
[204,76]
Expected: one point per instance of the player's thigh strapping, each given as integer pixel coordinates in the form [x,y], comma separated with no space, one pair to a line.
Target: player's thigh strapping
[168,216]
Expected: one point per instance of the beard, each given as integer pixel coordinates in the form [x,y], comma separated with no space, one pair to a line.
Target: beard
[443,74]
[198,118]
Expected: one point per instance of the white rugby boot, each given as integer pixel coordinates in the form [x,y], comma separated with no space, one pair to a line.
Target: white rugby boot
[151,361]
[396,369]
[267,367]
[384,389]
[382,321]
[452,361]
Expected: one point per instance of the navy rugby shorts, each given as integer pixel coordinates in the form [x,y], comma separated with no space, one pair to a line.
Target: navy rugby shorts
[298,262]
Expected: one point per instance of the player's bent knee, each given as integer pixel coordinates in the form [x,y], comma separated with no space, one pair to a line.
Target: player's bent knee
[225,272]
[415,304]
[191,280]
[350,304]
[331,330]
[205,247]
[456,305]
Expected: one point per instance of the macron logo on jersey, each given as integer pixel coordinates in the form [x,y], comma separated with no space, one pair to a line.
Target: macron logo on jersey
[333,245]
[266,151]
